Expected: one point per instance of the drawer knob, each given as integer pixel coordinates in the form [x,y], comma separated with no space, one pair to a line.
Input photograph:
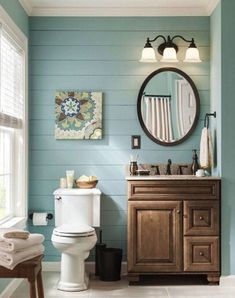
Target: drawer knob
[178,211]
[201,253]
[201,217]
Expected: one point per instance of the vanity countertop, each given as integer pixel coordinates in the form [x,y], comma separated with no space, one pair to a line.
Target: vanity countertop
[172,177]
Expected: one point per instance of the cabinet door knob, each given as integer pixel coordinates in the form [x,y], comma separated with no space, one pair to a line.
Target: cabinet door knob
[201,253]
[178,211]
[201,217]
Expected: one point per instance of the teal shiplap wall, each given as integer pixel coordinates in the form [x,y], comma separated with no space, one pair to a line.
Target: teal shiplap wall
[101,54]
[17,13]
[222,100]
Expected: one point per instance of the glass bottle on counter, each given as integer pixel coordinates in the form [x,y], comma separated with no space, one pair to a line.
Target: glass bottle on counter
[195,165]
[133,168]
[133,165]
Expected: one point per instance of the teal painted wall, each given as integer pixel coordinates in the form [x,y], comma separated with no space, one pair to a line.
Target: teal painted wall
[101,54]
[222,93]
[17,13]
[227,132]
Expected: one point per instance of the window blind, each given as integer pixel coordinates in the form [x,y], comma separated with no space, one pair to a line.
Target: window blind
[5,172]
[11,81]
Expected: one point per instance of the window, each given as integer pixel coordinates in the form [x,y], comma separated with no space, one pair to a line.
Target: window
[13,124]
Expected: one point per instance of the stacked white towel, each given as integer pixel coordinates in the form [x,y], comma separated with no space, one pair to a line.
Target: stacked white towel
[16,250]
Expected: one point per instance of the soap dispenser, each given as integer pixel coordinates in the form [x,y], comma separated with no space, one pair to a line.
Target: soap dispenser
[195,165]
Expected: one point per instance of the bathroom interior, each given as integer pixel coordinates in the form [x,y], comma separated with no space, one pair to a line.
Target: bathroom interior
[172,220]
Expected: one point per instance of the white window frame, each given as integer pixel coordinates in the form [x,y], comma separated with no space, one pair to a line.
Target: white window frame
[19,217]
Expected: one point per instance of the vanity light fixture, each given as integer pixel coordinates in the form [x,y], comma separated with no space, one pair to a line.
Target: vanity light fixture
[168,50]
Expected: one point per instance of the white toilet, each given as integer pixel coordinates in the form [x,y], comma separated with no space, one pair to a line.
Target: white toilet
[77,211]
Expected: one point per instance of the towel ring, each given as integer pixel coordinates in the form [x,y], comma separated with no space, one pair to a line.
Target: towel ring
[207,119]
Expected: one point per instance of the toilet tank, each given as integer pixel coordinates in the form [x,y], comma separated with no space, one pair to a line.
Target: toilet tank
[77,206]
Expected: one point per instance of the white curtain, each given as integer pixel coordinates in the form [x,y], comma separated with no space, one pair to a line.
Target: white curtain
[158,117]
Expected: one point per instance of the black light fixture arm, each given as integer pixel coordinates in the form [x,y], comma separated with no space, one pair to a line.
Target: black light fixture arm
[181,37]
[154,39]
[169,39]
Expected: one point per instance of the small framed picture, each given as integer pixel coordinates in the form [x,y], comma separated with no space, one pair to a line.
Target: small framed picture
[135,142]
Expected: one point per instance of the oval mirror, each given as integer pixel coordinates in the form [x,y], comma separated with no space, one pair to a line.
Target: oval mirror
[168,106]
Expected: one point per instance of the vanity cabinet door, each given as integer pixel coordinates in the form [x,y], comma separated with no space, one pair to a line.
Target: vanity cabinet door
[154,236]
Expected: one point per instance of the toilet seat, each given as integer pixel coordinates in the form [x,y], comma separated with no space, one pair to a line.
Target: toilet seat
[68,230]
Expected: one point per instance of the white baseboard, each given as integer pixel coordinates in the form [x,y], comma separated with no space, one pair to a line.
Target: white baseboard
[90,267]
[11,287]
[50,266]
[227,281]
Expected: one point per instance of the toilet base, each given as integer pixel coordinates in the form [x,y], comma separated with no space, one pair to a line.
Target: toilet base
[74,252]
[73,287]
[73,276]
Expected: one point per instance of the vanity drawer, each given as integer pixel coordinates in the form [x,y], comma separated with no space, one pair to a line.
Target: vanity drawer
[201,254]
[201,218]
[173,189]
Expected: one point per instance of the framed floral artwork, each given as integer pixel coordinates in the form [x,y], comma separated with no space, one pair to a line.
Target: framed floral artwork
[78,115]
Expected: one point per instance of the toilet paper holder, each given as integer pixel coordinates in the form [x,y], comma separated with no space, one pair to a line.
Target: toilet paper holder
[49,216]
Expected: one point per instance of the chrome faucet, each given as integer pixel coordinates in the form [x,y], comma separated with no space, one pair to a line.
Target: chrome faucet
[168,167]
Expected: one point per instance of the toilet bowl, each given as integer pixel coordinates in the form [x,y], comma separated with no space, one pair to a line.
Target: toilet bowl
[76,212]
[75,244]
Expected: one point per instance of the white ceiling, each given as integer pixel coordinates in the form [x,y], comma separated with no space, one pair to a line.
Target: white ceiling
[119,7]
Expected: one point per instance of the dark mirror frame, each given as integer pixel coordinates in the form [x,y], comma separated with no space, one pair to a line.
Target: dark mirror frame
[183,74]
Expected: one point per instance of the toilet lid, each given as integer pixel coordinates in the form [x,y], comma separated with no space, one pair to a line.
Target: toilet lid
[67,230]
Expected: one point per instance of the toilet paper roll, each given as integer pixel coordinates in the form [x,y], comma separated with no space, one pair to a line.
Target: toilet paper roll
[40,219]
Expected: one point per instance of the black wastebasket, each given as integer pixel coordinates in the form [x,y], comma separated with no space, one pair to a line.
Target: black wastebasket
[98,248]
[110,264]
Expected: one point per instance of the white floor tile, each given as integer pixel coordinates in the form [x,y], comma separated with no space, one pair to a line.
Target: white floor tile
[122,289]
[98,289]
[201,291]
[130,292]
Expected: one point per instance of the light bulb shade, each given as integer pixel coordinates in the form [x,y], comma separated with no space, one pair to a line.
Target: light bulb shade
[148,55]
[192,55]
[169,55]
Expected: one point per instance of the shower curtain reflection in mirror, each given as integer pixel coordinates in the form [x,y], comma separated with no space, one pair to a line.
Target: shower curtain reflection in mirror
[158,116]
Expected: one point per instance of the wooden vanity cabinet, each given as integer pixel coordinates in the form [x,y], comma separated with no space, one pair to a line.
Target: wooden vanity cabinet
[174,227]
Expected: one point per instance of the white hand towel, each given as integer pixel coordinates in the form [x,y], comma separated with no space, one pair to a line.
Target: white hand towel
[210,149]
[10,260]
[12,245]
[206,150]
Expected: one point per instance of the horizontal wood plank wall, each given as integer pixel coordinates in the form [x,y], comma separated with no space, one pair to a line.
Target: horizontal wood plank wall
[101,54]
